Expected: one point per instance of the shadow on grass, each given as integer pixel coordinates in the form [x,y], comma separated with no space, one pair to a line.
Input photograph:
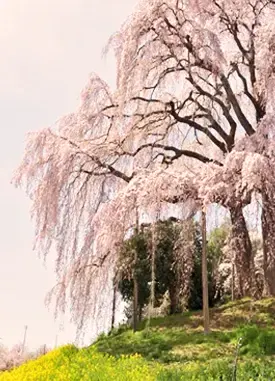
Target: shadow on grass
[180,337]
[242,312]
[228,316]
[166,345]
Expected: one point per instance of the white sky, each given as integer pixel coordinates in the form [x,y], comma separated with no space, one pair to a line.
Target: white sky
[48,48]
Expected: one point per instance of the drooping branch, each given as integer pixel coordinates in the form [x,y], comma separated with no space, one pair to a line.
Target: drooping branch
[233,100]
[96,160]
[197,127]
[177,153]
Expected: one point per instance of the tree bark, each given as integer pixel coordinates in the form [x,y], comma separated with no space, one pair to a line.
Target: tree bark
[173,295]
[268,234]
[243,256]
[140,313]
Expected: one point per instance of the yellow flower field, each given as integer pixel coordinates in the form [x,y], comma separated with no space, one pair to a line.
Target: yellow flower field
[72,364]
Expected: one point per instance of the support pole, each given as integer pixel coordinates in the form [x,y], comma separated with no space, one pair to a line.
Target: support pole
[204,275]
[24,339]
[135,296]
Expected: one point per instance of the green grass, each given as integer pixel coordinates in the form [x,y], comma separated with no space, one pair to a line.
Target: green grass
[173,348]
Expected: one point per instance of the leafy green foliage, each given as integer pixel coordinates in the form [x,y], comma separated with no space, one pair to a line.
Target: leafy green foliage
[168,274]
[257,342]
[215,245]
[168,271]
[221,370]
[126,266]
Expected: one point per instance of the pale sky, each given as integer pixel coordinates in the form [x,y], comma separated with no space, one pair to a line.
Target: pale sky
[48,48]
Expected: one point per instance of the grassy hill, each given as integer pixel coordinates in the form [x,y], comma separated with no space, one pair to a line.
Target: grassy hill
[174,348]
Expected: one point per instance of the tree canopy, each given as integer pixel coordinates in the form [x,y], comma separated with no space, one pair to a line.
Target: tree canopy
[190,123]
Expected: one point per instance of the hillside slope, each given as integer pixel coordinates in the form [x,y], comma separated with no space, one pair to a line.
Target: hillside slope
[174,348]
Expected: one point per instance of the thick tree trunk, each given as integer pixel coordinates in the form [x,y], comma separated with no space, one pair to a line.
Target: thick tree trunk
[139,313]
[173,295]
[268,233]
[243,256]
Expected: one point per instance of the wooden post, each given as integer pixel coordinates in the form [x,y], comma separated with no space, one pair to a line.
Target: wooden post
[135,296]
[153,275]
[114,303]
[233,282]
[55,343]
[204,275]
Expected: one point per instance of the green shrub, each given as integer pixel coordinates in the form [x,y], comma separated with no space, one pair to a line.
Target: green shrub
[220,370]
[257,342]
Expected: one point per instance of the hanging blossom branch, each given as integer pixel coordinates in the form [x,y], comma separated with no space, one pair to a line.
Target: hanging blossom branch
[180,99]
[76,178]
